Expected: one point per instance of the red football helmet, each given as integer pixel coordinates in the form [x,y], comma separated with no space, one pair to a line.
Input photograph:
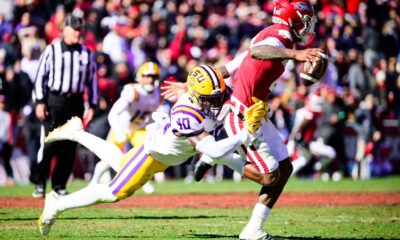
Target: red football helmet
[299,16]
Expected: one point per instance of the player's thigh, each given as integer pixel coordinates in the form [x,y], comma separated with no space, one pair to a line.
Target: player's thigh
[137,168]
[267,150]
[273,141]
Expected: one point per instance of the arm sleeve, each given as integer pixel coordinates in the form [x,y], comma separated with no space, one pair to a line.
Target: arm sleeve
[219,149]
[120,106]
[40,87]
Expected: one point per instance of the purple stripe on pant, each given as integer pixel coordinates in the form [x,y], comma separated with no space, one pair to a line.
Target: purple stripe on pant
[125,167]
[134,170]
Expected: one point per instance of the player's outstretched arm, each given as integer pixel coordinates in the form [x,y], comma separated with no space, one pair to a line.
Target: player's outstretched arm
[266,52]
[205,143]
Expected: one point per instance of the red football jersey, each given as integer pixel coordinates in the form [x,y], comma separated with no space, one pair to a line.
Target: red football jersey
[255,77]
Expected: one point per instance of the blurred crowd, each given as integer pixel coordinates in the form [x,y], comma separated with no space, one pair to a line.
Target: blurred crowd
[361,88]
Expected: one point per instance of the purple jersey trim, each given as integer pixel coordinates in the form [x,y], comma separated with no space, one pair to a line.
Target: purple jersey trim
[188,113]
[166,127]
[194,109]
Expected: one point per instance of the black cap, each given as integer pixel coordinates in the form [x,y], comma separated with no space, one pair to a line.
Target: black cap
[73,21]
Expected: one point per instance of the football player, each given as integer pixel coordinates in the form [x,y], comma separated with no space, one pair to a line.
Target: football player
[170,140]
[131,113]
[255,73]
[302,137]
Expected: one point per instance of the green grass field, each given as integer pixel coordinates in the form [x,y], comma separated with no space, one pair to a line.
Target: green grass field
[324,222]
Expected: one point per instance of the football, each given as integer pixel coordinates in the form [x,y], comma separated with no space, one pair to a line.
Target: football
[311,73]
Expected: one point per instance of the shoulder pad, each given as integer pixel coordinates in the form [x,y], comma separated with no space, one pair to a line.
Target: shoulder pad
[130,93]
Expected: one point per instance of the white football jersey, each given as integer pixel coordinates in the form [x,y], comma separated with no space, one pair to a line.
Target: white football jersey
[133,109]
[186,120]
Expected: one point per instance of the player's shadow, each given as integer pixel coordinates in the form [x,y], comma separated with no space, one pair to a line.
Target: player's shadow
[321,238]
[142,217]
[118,218]
[211,236]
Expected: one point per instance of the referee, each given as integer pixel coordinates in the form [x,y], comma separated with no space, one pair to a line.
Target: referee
[66,68]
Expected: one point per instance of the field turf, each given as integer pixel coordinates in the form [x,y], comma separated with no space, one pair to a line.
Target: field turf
[317,222]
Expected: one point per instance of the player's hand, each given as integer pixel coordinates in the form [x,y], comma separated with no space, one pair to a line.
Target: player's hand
[172,90]
[254,114]
[308,55]
[41,111]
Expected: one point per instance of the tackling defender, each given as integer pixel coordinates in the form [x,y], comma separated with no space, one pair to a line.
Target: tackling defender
[169,141]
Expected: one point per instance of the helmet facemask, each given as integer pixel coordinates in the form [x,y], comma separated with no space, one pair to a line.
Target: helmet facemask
[150,87]
[307,34]
[148,70]
[211,105]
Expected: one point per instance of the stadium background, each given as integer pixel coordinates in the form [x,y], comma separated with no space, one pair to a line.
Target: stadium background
[179,35]
[362,37]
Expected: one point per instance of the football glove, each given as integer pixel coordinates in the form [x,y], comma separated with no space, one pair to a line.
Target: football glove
[254,114]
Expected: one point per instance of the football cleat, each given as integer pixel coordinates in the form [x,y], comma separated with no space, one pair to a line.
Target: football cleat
[266,237]
[49,213]
[40,191]
[200,170]
[68,131]
[62,192]
[249,233]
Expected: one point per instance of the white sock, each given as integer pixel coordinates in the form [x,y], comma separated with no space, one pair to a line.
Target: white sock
[92,194]
[234,161]
[260,214]
[106,151]
[100,168]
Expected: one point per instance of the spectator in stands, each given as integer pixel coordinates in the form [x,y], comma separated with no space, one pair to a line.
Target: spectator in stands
[360,80]
[53,28]
[213,34]
[6,144]
[365,124]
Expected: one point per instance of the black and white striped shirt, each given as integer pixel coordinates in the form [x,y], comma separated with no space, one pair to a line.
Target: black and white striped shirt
[66,69]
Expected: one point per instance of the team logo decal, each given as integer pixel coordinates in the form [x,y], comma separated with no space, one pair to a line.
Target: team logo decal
[285,34]
[301,6]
